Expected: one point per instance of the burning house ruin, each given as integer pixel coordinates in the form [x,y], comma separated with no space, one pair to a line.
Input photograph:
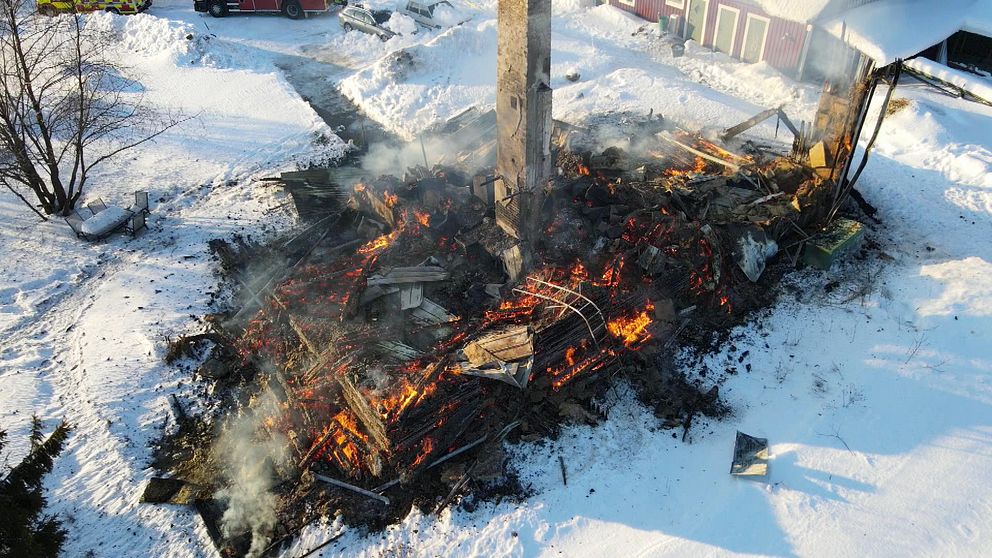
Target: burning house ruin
[399,353]
[390,347]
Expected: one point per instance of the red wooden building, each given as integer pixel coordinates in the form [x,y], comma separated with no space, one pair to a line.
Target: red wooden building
[778,32]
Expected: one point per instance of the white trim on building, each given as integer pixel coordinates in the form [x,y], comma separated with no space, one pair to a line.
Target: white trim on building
[733,33]
[702,28]
[764,38]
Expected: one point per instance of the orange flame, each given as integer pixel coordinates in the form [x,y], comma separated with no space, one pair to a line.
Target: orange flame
[570,356]
[395,404]
[574,366]
[632,330]
[699,166]
[350,424]
[423,218]
[611,275]
[426,448]
[377,245]
[391,199]
[715,149]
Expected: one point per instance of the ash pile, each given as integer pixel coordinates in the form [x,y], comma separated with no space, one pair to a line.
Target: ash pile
[390,348]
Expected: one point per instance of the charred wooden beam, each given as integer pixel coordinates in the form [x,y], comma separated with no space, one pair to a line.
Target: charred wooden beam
[367,201]
[293,323]
[699,153]
[431,313]
[408,275]
[758,119]
[305,462]
[374,426]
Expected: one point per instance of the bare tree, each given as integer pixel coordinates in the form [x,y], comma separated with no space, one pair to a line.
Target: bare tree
[65,106]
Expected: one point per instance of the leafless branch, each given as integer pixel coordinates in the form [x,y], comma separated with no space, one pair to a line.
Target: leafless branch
[66,106]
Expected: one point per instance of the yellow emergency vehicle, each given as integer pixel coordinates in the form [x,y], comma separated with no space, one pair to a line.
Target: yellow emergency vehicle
[126,7]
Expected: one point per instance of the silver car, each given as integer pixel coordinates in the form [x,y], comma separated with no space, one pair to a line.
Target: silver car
[365,20]
[423,12]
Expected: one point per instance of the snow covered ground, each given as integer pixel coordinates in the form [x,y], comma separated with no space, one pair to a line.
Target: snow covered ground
[623,68]
[872,382]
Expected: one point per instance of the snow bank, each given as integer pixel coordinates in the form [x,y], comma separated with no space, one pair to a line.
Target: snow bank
[976,85]
[607,20]
[953,144]
[412,88]
[447,16]
[401,24]
[561,7]
[144,35]
[758,83]
[622,68]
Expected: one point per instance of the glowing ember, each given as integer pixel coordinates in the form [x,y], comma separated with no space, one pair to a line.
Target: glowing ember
[583,170]
[379,244]
[714,149]
[349,423]
[574,366]
[391,199]
[611,275]
[632,330]
[698,167]
[570,356]
[423,218]
[579,272]
[426,448]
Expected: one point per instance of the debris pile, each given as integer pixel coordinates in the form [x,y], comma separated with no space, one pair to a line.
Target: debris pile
[405,336]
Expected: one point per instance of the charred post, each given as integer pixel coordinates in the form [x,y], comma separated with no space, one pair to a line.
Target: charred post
[523,114]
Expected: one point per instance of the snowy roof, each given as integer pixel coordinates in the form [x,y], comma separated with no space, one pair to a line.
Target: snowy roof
[795,10]
[887,30]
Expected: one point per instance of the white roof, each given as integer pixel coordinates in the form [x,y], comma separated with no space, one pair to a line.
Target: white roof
[795,10]
[887,30]
[978,86]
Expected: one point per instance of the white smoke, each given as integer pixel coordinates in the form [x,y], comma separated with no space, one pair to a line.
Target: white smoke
[251,458]
[393,159]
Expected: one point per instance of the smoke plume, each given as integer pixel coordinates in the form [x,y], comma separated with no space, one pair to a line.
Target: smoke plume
[251,457]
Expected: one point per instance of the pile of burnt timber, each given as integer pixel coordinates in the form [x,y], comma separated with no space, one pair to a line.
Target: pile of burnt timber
[403,354]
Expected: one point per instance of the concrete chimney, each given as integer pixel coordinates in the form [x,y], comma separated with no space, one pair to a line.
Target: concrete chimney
[523,115]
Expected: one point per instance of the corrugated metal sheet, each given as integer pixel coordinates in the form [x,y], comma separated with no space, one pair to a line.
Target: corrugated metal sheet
[783,45]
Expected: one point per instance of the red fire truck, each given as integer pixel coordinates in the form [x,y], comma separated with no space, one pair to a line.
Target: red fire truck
[293,9]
